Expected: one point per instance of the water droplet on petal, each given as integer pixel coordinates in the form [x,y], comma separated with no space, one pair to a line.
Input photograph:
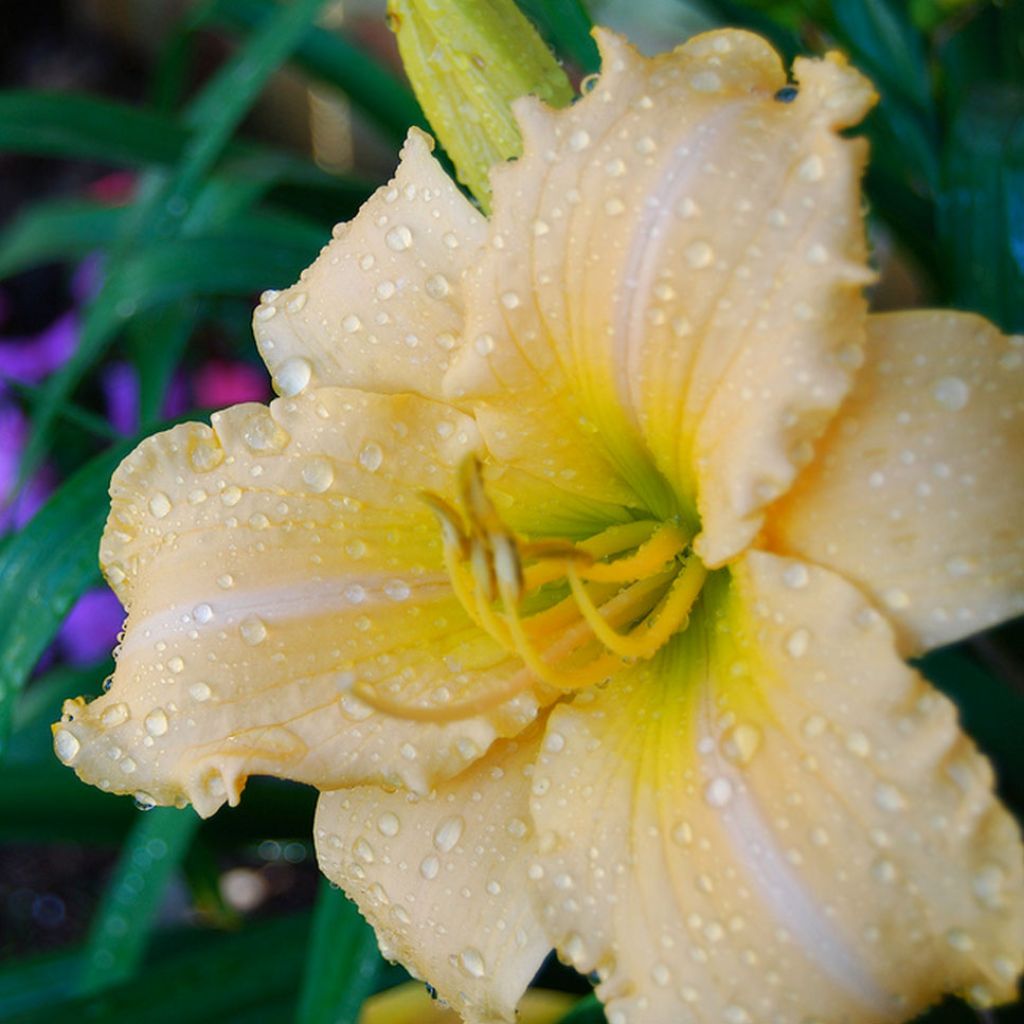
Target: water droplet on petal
[371,457]
[699,254]
[199,692]
[472,962]
[115,715]
[202,613]
[797,642]
[159,505]
[318,474]
[293,375]
[812,168]
[66,745]
[437,286]
[718,792]
[741,742]
[579,140]
[262,434]
[253,630]
[448,833]
[429,867]
[398,238]
[388,824]
[888,797]
[156,722]
[951,393]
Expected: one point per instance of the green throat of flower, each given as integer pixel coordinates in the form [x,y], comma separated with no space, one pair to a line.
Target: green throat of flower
[573,612]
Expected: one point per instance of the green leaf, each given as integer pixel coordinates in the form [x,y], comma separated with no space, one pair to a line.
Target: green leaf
[40,704]
[202,875]
[56,230]
[127,914]
[32,982]
[218,110]
[981,212]
[342,962]
[587,1011]
[567,24]
[87,128]
[90,128]
[242,978]
[991,711]
[332,59]
[74,415]
[47,565]
[214,114]
[196,266]
[886,45]
[156,341]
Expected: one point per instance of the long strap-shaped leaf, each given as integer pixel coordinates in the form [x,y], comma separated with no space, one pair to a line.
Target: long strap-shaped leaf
[376,91]
[342,962]
[246,977]
[44,569]
[125,919]
[213,116]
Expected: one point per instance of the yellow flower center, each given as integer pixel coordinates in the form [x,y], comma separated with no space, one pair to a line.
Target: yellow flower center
[573,612]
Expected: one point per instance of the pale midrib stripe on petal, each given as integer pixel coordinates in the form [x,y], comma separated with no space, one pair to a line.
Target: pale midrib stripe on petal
[780,887]
[278,604]
[645,252]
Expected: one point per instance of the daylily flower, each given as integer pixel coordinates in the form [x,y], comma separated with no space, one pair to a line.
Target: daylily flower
[578,562]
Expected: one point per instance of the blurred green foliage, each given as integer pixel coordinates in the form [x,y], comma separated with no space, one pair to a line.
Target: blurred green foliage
[217,217]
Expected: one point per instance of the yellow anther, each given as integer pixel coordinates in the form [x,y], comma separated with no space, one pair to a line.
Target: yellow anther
[576,642]
[452,532]
[654,632]
[620,537]
[664,544]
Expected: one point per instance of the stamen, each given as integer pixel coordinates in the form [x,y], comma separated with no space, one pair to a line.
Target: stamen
[620,537]
[652,633]
[576,642]
[666,542]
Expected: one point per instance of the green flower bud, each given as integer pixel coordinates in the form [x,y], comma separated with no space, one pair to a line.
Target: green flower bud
[467,61]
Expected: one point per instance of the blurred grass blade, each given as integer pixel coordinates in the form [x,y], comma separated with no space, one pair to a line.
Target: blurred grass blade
[40,704]
[201,266]
[215,113]
[886,44]
[245,977]
[202,875]
[37,981]
[156,341]
[90,128]
[342,962]
[380,95]
[46,566]
[56,230]
[74,415]
[127,914]
[567,24]
[218,110]
[87,128]
[981,212]
[587,1011]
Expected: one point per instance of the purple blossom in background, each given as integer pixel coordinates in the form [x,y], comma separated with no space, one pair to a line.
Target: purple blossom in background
[218,384]
[15,513]
[91,628]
